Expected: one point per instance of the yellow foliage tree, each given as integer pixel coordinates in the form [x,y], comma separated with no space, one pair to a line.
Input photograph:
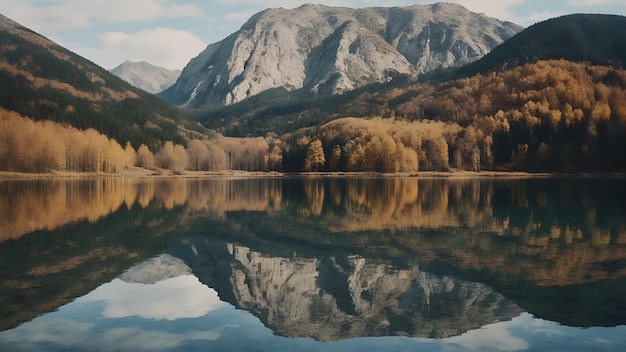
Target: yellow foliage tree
[315,156]
[145,158]
[45,146]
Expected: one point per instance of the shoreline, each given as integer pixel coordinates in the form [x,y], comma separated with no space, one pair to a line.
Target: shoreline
[136,172]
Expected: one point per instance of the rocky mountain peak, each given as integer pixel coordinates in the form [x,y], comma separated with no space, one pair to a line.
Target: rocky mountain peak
[152,79]
[330,50]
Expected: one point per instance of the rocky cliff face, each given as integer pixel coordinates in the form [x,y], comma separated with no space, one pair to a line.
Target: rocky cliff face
[332,298]
[152,79]
[329,50]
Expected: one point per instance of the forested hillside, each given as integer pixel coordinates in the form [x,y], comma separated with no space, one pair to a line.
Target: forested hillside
[596,39]
[45,146]
[551,115]
[44,81]
[59,112]
[548,116]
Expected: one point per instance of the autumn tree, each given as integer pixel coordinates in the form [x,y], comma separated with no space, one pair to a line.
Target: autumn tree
[164,157]
[45,146]
[130,155]
[275,156]
[335,157]
[315,156]
[180,158]
[145,158]
[217,158]
[198,156]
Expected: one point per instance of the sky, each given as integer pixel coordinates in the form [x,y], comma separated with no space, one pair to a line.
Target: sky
[169,33]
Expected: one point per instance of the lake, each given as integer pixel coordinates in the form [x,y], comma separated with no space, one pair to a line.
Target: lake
[313,263]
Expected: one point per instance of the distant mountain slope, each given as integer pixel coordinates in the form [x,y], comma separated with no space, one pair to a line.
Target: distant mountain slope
[44,81]
[156,269]
[152,79]
[329,50]
[597,39]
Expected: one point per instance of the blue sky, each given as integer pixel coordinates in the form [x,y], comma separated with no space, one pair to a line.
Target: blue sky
[169,33]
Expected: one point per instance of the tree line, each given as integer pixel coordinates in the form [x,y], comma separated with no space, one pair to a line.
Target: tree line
[44,146]
[349,144]
[376,144]
[547,116]
[553,115]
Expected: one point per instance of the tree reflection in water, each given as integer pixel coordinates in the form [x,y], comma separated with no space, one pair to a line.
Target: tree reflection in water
[554,246]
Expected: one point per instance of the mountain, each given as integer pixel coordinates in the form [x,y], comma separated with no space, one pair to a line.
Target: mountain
[359,297]
[153,270]
[523,112]
[594,38]
[43,81]
[152,79]
[330,50]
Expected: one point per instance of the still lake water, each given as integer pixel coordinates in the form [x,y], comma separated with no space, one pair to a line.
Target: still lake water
[308,264]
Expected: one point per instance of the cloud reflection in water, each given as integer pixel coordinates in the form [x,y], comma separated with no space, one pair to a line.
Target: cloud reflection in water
[174,298]
[181,314]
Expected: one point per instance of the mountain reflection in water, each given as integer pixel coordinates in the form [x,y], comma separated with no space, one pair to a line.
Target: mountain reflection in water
[325,258]
[338,297]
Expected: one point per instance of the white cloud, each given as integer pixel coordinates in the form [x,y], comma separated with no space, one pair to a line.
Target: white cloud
[135,339]
[40,330]
[284,4]
[72,14]
[535,17]
[180,297]
[498,9]
[163,47]
[494,337]
[240,17]
[167,300]
[594,2]
[69,335]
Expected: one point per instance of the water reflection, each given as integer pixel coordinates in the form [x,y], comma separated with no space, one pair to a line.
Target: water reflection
[158,305]
[31,205]
[83,233]
[538,211]
[334,297]
[159,288]
[327,258]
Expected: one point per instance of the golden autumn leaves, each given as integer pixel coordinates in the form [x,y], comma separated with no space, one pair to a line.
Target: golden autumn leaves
[552,115]
[547,116]
[45,146]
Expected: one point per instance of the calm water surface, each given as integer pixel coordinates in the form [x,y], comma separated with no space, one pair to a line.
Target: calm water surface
[308,264]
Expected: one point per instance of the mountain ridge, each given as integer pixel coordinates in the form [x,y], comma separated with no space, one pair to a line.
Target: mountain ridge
[153,79]
[331,50]
[594,38]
